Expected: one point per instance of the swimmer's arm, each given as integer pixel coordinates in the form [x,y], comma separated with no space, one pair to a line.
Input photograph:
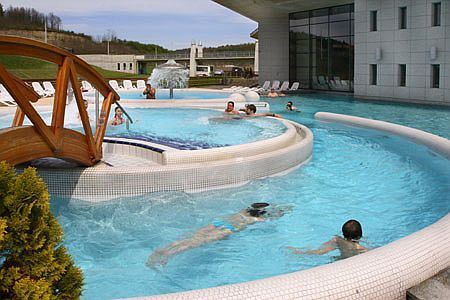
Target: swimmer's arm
[323,249]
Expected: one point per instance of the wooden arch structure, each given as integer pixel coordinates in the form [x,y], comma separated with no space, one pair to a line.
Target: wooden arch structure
[20,143]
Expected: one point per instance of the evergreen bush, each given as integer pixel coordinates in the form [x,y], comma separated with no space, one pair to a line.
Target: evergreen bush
[33,263]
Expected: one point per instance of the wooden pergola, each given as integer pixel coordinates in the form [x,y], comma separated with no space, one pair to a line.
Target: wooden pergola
[20,143]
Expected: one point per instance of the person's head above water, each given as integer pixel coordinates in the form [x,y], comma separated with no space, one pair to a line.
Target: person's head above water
[230,106]
[118,112]
[289,103]
[352,230]
[250,109]
[257,209]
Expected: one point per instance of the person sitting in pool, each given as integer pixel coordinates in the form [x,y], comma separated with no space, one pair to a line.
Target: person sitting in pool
[230,109]
[250,111]
[347,246]
[272,94]
[149,92]
[219,230]
[86,105]
[118,118]
[290,106]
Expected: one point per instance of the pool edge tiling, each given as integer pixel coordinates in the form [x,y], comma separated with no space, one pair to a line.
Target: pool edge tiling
[382,273]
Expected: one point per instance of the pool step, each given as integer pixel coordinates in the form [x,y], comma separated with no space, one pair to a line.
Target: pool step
[434,288]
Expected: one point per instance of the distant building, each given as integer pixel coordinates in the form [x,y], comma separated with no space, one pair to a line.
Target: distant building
[381,49]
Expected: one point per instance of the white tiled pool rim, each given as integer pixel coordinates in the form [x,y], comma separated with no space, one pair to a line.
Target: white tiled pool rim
[383,273]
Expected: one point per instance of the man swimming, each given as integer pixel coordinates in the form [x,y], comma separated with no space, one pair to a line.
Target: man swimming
[250,111]
[347,246]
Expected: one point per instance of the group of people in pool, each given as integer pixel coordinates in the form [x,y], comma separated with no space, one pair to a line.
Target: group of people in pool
[250,110]
[348,245]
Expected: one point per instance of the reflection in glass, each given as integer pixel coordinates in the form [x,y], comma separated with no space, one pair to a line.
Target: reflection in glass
[319,16]
[321,53]
[340,28]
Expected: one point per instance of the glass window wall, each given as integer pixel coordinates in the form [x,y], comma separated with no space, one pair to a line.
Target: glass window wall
[321,48]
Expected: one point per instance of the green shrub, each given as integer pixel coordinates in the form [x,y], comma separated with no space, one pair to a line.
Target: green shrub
[33,263]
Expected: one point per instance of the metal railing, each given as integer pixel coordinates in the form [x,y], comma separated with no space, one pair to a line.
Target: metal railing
[217,54]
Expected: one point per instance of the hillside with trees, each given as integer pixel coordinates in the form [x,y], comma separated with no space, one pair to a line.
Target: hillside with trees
[29,23]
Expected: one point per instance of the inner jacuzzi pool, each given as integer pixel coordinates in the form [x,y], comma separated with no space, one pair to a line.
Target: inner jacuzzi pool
[195,128]
[178,94]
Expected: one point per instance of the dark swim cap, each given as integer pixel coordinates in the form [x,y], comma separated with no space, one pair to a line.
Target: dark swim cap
[257,209]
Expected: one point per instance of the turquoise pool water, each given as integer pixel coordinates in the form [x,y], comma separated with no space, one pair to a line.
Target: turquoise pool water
[392,186]
[432,119]
[195,128]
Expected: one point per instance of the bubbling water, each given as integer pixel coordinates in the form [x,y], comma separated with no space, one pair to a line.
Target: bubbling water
[169,75]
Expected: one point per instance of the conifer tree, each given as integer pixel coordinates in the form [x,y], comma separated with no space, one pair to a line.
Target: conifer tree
[33,263]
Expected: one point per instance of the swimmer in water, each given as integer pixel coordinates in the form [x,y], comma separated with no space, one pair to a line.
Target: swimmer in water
[218,230]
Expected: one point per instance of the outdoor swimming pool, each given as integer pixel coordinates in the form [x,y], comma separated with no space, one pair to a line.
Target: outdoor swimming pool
[392,186]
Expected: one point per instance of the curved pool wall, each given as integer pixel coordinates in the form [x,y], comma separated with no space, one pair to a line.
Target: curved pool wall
[382,273]
[169,169]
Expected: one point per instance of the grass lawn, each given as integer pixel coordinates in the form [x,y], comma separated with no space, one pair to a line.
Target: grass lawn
[28,68]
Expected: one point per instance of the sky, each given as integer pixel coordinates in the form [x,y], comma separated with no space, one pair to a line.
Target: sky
[173,24]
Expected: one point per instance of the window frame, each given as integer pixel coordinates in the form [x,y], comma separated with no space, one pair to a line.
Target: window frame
[435,80]
[436,15]
[402,17]
[373,21]
[373,74]
[402,75]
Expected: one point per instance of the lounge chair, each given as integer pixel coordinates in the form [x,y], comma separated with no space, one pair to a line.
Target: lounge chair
[38,89]
[284,86]
[323,83]
[115,85]
[48,88]
[275,85]
[128,85]
[5,97]
[294,86]
[264,88]
[140,84]
[86,85]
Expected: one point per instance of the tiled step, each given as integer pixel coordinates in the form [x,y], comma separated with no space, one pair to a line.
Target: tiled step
[435,288]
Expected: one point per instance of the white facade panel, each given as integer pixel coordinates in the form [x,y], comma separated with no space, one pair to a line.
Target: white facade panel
[418,46]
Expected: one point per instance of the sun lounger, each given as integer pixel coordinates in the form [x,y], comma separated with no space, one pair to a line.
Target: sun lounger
[5,97]
[275,85]
[128,85]
[115,85]
[86,85]
[140,84]
[38,89]
[294,86]
[48,88]
[284,86]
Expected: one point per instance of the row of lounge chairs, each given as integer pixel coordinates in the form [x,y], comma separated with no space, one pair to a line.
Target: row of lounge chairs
[127,85]
[266,87]
[334,83]
[47,91]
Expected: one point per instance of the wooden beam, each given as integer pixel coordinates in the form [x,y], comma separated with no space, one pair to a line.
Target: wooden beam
[59,104]
[103,121]
[18,118]
[83,113]
[28,109]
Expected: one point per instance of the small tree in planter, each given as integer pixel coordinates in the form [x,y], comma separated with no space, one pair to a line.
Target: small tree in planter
[33,263]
